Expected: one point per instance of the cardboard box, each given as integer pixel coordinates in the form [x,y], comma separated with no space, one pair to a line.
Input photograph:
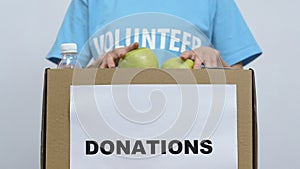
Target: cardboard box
[55,141]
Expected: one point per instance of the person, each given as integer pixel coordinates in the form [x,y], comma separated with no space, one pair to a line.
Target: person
[220,20]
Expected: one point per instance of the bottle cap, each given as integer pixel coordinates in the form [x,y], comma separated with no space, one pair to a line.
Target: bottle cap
[68,48]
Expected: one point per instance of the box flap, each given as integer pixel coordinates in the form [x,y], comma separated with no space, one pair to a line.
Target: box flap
[43,125]
[255,127]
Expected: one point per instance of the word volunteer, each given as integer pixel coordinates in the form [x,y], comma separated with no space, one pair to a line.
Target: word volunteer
[156,38]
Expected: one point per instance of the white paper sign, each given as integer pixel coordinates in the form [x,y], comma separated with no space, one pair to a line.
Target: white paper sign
[153,126]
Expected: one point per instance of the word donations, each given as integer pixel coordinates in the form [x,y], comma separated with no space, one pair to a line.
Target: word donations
[148,147]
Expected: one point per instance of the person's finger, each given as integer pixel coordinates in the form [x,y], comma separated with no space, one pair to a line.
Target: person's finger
[214,59]
[110,59]
[218,60]
[198,62]
[103,64]
[210,57]
[132,46]
[187,55]
[121,52]
[210,60]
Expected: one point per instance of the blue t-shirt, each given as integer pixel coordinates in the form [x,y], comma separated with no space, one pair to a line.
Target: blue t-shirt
[97,26]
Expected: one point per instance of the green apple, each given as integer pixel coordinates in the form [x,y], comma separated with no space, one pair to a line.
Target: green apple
[178,63]
[139,58]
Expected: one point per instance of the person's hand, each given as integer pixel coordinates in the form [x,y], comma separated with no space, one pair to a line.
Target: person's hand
[109,59]
[206,56]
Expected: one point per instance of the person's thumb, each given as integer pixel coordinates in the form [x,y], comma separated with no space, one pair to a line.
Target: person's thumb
[132,46]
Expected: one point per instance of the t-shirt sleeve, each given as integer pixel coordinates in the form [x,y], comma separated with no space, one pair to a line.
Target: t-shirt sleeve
[74,29]
[231,35]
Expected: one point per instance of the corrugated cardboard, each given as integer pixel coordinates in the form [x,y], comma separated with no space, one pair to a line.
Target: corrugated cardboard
[55,149]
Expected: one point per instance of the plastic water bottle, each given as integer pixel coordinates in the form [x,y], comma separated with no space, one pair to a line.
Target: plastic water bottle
[69,56]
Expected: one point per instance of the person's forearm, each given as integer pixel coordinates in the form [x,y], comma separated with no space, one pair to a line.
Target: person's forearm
[238,65]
